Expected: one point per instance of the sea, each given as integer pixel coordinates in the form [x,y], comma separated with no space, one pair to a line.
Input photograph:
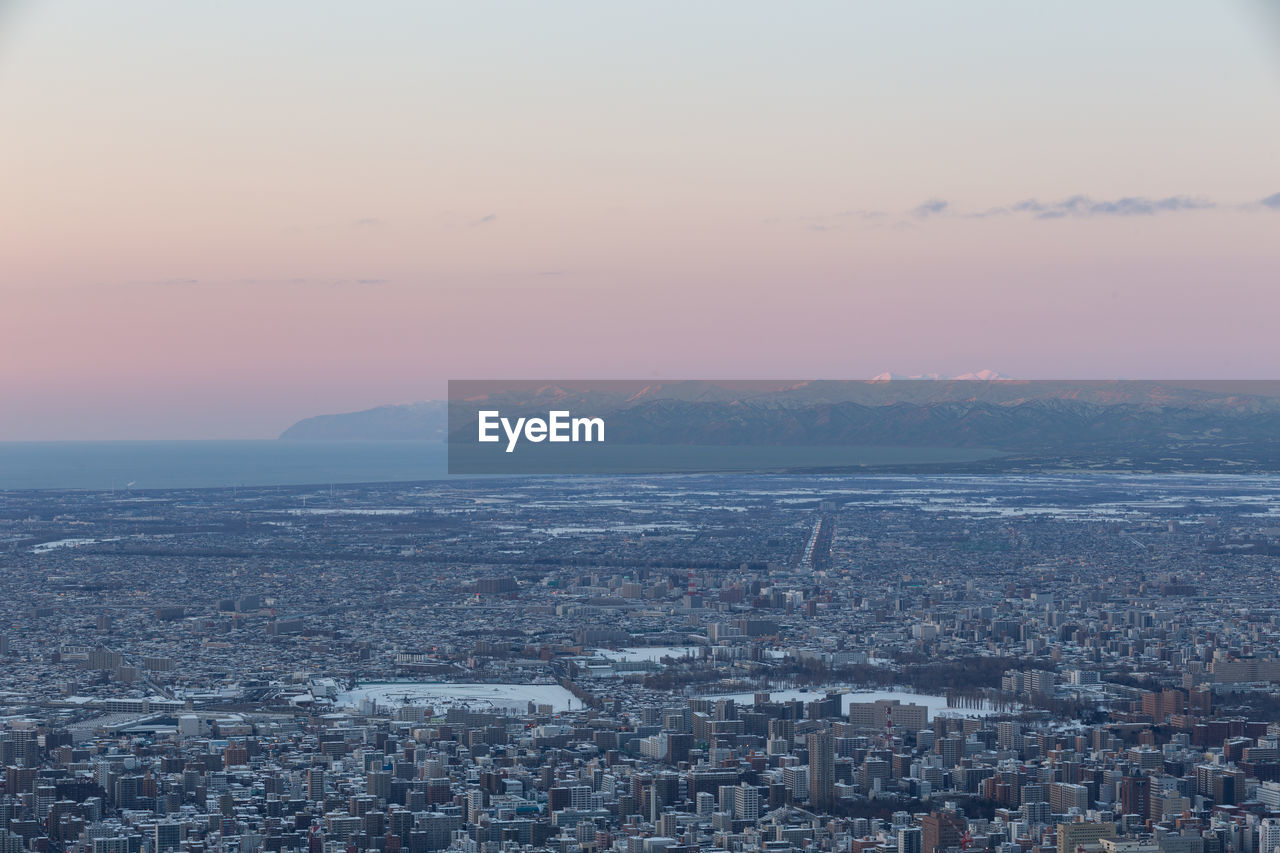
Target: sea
[140,465]
[143,465]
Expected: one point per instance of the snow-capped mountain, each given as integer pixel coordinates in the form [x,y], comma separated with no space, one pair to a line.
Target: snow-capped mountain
[977,376]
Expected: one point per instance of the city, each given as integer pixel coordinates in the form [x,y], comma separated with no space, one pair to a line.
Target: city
[939,510]
[919,664]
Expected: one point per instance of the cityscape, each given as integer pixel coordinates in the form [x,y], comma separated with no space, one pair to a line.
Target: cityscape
[657,427]
[919,664]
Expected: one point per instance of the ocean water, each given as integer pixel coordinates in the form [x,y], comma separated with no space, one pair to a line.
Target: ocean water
[103,465]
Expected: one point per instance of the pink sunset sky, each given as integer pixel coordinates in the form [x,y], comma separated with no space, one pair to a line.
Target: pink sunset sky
[219,218]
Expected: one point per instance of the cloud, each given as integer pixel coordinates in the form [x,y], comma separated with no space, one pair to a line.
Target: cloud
[369,222]
[988,213]
[1271,201]
[1081,206]
[1076,206]
[860,214]
[1084,206]
[932,207]
[485,220]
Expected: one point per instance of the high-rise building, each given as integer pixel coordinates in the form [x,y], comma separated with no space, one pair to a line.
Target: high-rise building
[882,712]
[941,831]
[378,783]
[1008,735]
[1135,796]
[315,784]
[168,836]
[111,845]
[1268,835]
[1076,836]
[746,802]
[822,771]
[1063,797]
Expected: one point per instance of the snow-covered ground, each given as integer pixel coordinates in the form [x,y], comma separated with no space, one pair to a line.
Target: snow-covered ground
[45,547]
[477,697]
[936,704]
[653,653]
[481,697]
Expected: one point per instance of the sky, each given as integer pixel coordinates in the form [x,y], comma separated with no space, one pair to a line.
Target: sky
[217,218]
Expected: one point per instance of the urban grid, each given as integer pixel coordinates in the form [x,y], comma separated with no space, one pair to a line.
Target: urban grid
[851,664]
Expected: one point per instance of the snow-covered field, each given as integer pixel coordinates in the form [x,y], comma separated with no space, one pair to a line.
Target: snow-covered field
[46,547]
[477,697]
[653,653]
[482,697]
[936,704]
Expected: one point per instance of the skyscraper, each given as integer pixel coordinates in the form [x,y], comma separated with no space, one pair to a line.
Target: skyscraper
[822,771]
[940,831]
[168,836]
[315,784]
[1135,795]
[746,802]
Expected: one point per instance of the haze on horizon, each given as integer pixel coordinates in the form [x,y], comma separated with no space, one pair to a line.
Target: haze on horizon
[220,218]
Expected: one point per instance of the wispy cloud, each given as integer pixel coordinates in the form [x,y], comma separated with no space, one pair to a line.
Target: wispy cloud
[485,220]
[932,207]
[369,222]
[1084,206]
[1271,201]
[988,213]
[1072,207]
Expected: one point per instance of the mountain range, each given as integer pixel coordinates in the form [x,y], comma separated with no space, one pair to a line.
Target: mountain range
[1236,423]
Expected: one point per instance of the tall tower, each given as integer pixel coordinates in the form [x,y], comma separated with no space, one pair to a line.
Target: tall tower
[822,771]
[315,784]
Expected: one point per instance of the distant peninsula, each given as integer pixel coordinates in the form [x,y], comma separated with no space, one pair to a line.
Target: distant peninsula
[426,421]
